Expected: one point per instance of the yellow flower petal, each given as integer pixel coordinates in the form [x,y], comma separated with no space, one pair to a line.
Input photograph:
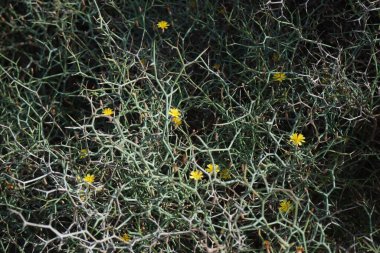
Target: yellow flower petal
[83,153]
[163,25]
[285,206]
[196,175]
[107,112]
[89,178]
[297,139]
[210,168]
[125,237]
[177,121]
[175,112]
[279,76]
[225,174]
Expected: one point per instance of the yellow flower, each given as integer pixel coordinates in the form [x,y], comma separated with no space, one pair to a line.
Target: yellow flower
[83,153]
[225,174]
[107,112]
[285,206]
[210,168]
[175,112]
[177,121]
[279,76]
[196,175]
[297,139]
[299,249]
[125,237]
[163,25]
[89,178]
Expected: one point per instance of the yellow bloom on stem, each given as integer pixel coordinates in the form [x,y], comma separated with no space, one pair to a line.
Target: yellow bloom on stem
[196,175]
[299,249]
[285,206]
[125,237]
[83,153]
[279,76]
[225,174]
[89,178]
[210,168]
[297,139]
[175,112]
[177,121]
[163,25]
[107,112]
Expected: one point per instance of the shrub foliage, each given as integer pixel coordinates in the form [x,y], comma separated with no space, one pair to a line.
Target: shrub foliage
[94,159]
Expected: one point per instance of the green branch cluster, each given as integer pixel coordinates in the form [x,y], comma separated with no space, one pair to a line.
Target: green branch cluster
[189,126]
